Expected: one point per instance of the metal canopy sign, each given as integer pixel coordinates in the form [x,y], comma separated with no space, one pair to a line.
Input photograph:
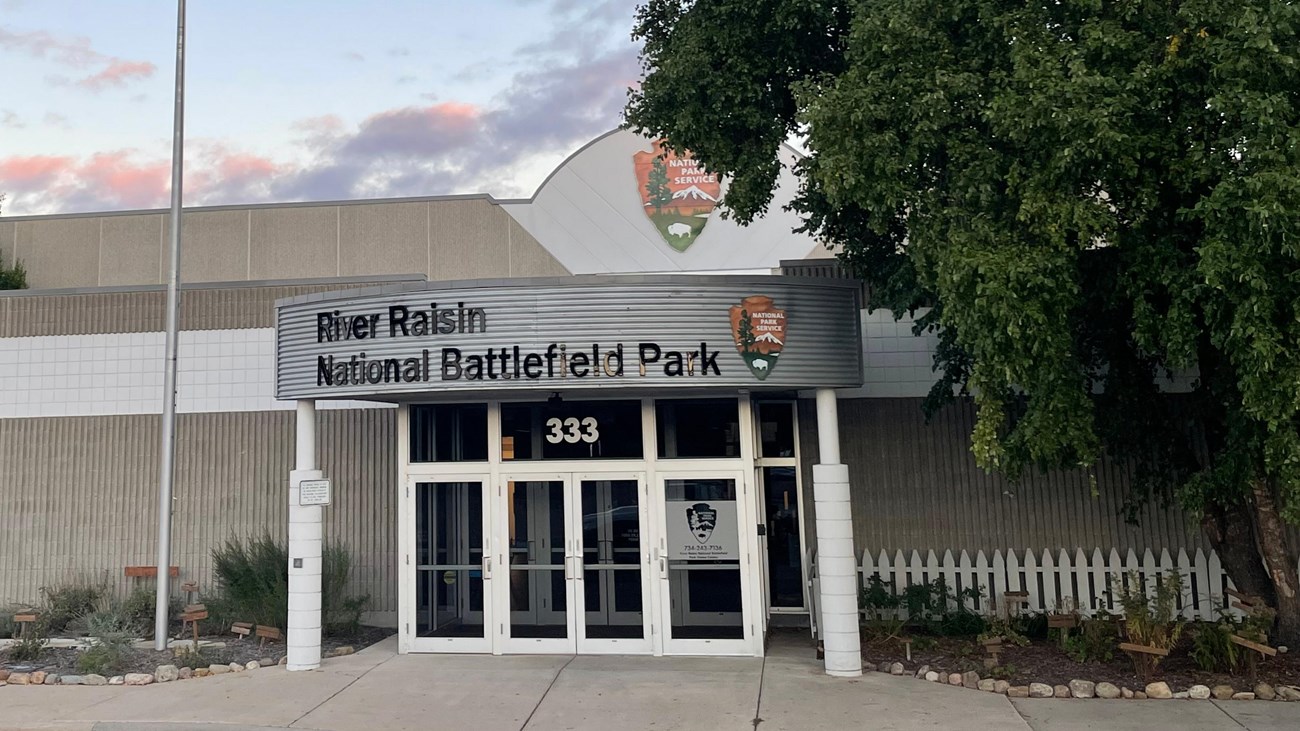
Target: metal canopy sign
[582,332]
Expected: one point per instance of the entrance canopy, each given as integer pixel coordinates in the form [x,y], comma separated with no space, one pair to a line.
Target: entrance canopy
[598,333]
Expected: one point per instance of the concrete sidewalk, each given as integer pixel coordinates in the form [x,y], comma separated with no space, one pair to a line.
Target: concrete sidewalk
[377,689]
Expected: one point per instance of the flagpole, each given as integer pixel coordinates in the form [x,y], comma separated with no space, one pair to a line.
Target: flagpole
[167,472]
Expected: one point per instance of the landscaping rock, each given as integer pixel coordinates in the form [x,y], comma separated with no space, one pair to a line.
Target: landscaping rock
[185,673]
[236,667]
[218,669]
[954,678]
[882,667]
[137,679]
[117,680]
[37,677]
[932,676]
[1107,690]
[1181,695]
[71,680]
[1159,690]
[1041,690]
[970,679]
[1222,692]
[202,672]
[1245,695]
[266,662]
[344,650]
[166,673]
[252,665]
[1018,691]
[52,679]
[4,675]
[1083,688]
[1000,687]
[986,685]
[1198,692]
[1288,693]
[1265,692]
[1060,691]
[20,678]
[283,661]
[94,679]
[1139,695]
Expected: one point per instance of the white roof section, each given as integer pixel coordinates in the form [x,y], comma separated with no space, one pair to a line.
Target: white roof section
[589,215]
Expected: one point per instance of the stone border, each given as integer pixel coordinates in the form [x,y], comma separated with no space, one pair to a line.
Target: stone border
[163,674]
[1088,689]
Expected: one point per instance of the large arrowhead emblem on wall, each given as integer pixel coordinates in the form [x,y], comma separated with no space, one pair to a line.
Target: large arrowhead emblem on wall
[677,194]
[758,327]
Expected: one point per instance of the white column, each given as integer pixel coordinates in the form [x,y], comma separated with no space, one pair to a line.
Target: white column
[305,537]
[836,562]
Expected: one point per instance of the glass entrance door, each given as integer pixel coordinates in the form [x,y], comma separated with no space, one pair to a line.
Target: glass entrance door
[703,564]
[576,564]
[452,567]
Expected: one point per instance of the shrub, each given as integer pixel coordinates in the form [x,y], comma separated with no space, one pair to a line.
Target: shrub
[1094,641]
[253,586]
[1004,628]
[253,580]
[64,604]
[932,607]
[881,607]
[1150,616]
[340,614]
[32,645]
[1211,648]
[109,653]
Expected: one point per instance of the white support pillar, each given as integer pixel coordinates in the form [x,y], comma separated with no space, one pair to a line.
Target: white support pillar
[305,538]
[836,563]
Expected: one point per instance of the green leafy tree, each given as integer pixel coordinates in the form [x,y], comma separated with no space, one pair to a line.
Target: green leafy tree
[1086,195]
[656,186]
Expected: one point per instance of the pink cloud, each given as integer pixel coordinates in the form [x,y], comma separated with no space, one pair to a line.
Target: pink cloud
[32,171]
[77,53]
[134,184]
[118,74]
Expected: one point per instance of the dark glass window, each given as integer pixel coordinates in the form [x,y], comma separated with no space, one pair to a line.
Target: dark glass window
[571,430]
[776,429]
[695,428]
[449,433]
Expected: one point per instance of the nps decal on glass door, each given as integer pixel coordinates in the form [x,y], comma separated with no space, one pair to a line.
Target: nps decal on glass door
[758,326]
[702,530]
[677,194]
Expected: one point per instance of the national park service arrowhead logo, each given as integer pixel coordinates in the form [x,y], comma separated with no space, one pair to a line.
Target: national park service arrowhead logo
[677,194]
[702,519]
[758,327]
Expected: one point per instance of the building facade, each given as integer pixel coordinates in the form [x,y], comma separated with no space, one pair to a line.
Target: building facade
[649,487]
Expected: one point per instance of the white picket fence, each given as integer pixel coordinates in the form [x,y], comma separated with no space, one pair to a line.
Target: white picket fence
[1083,583]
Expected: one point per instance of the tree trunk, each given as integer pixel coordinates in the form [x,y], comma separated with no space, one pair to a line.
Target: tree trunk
[1232,536]
[1280,562]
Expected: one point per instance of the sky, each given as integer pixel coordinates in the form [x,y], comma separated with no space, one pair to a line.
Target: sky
[293,100]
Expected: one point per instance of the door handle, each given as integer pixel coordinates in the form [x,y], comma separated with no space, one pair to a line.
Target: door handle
[487,567]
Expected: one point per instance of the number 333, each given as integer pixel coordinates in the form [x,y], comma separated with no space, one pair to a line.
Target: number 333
[572,430]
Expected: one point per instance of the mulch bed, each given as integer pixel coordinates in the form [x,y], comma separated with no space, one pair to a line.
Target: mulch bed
[63,660]
[1044,662]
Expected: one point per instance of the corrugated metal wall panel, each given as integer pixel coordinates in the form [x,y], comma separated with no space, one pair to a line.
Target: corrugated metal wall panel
[82,501]
[916,486]
[208,308]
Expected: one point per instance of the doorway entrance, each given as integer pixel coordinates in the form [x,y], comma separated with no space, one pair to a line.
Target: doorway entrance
[577,580]
[647,547]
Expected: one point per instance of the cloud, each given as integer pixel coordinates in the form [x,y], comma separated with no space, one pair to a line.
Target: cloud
[406,79]
[399,52]
[354,56]
[76,54]
[54,119]
[9,119]
[564,95]
[118,74]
